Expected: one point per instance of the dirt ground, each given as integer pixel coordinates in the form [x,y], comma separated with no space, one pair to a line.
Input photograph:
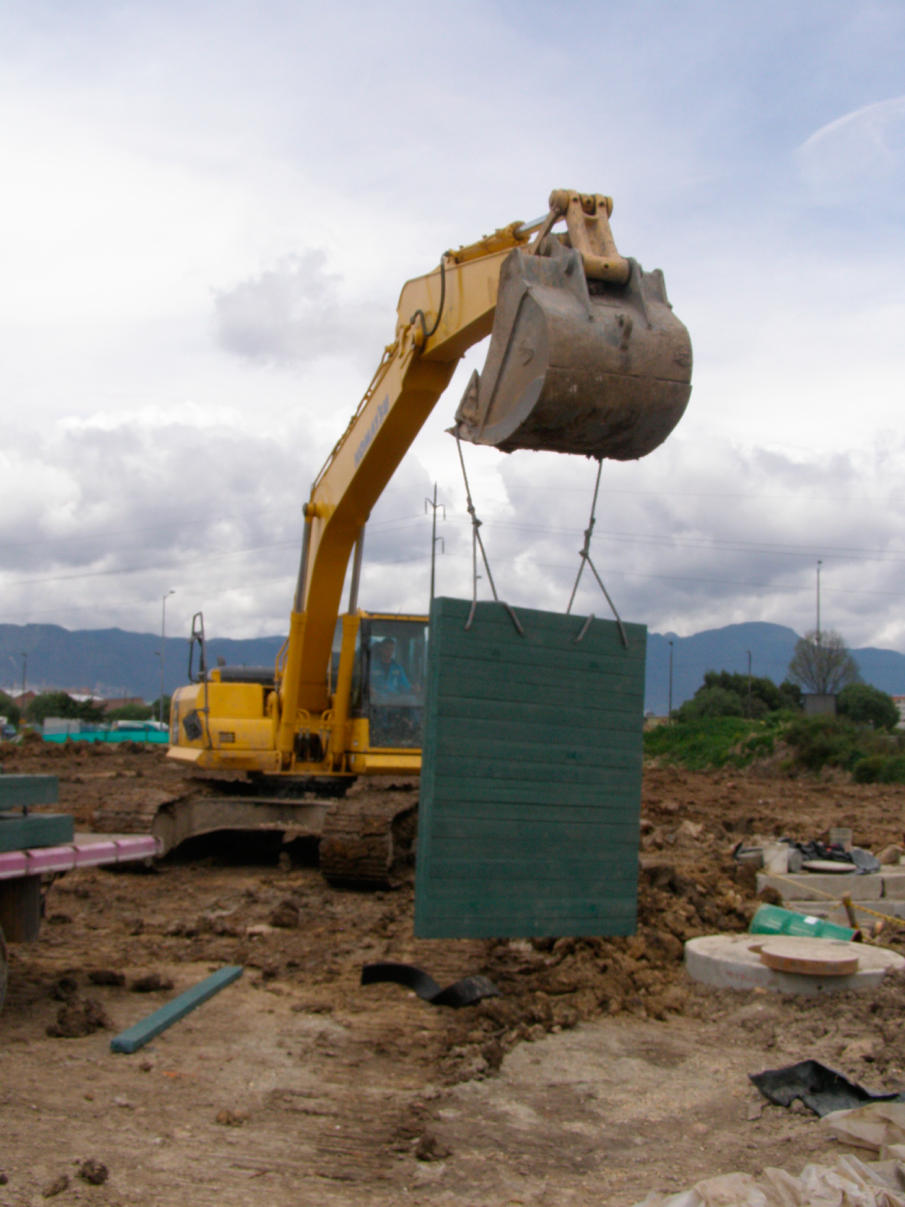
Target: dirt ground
[598,1075]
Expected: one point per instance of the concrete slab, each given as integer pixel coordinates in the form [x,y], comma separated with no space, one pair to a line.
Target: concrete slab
[836,913]
[732,962]
[806,886]
[894,884]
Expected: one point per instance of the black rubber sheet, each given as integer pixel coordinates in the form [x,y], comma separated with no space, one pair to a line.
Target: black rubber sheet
[819,1087]
[466,992]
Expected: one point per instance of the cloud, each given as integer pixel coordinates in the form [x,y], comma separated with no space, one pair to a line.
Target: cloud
[859,155]
[295,313]
[192,218]
[101,520]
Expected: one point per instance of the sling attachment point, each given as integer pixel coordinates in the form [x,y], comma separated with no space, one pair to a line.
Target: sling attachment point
[585,554]
[477,543]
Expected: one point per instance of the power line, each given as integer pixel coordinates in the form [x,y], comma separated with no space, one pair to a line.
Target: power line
[176,525]
[171,567]
[668,578]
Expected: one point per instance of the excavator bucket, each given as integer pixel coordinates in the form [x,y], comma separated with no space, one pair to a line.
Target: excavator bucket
[586,355]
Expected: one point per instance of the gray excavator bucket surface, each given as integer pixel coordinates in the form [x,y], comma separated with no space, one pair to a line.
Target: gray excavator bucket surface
[577,365]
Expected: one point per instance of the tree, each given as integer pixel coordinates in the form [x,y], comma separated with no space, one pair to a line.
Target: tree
[765,695]
[61,704]
[712,701]
[822,664]
[131,712]
[727,694]
[791,695]
[868,705]
[9,708]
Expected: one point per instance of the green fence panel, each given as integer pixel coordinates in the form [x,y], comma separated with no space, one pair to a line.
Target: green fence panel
[528,820]
[16,790]
[18,832]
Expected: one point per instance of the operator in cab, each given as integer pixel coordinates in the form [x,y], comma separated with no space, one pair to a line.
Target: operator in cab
[387,676]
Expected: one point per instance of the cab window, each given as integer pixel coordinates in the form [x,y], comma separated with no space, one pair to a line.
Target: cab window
[397,672]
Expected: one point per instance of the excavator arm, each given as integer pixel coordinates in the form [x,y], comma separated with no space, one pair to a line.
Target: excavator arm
[440,316]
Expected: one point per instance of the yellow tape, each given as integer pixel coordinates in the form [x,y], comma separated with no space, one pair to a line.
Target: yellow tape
[857,905]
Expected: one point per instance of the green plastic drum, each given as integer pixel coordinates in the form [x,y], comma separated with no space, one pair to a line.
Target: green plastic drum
[771,920]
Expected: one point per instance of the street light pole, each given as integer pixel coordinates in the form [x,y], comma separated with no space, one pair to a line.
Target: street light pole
[22,702]
[163,635]
[748,652]
[670,682]
[819,564]
[432,503]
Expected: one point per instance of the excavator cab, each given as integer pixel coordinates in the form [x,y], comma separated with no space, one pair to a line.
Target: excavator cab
[586,355]
[388,683]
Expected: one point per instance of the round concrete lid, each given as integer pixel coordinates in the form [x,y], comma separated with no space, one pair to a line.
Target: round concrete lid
[810,957]
[733,962]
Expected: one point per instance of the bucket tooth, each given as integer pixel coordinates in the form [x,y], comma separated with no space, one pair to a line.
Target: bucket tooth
[599,368]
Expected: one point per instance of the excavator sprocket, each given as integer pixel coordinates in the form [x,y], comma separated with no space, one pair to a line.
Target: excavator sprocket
[578,365]
[369,841]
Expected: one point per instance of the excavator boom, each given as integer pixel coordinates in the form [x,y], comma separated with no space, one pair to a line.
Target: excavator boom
[586,356]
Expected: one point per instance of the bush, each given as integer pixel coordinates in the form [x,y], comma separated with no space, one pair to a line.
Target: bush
[839,742]
[880,769]
[711,702]
[818,741]
[706,742]
[867,705]
[792,695]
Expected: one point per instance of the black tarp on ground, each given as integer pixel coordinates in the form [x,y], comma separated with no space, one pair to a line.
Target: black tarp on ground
[820,1088]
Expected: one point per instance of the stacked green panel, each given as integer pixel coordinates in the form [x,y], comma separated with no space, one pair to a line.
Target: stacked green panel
[531,776]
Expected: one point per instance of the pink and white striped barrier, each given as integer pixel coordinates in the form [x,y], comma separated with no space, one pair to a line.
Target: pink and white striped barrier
[85,852]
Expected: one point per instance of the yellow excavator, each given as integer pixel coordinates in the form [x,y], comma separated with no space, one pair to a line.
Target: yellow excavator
[585,357]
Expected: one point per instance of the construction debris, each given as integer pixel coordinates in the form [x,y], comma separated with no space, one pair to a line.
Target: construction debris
[849,1181]
[877,1125]
[465,992]
[819,1087]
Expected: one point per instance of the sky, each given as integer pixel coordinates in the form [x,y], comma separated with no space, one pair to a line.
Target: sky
[209,213]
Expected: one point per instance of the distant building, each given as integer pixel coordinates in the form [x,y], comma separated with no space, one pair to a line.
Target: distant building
[819,705]
[900,705]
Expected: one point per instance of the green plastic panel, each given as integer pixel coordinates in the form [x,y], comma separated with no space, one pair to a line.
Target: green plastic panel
[18,790]
[18,833]
[528,820]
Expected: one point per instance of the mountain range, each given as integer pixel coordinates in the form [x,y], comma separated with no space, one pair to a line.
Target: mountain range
[116,663]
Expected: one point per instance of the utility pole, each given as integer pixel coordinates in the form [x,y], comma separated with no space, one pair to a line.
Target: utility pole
[434,505]
[749,683]
[819,564]
[163,635]
[22,702]
[670,682]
